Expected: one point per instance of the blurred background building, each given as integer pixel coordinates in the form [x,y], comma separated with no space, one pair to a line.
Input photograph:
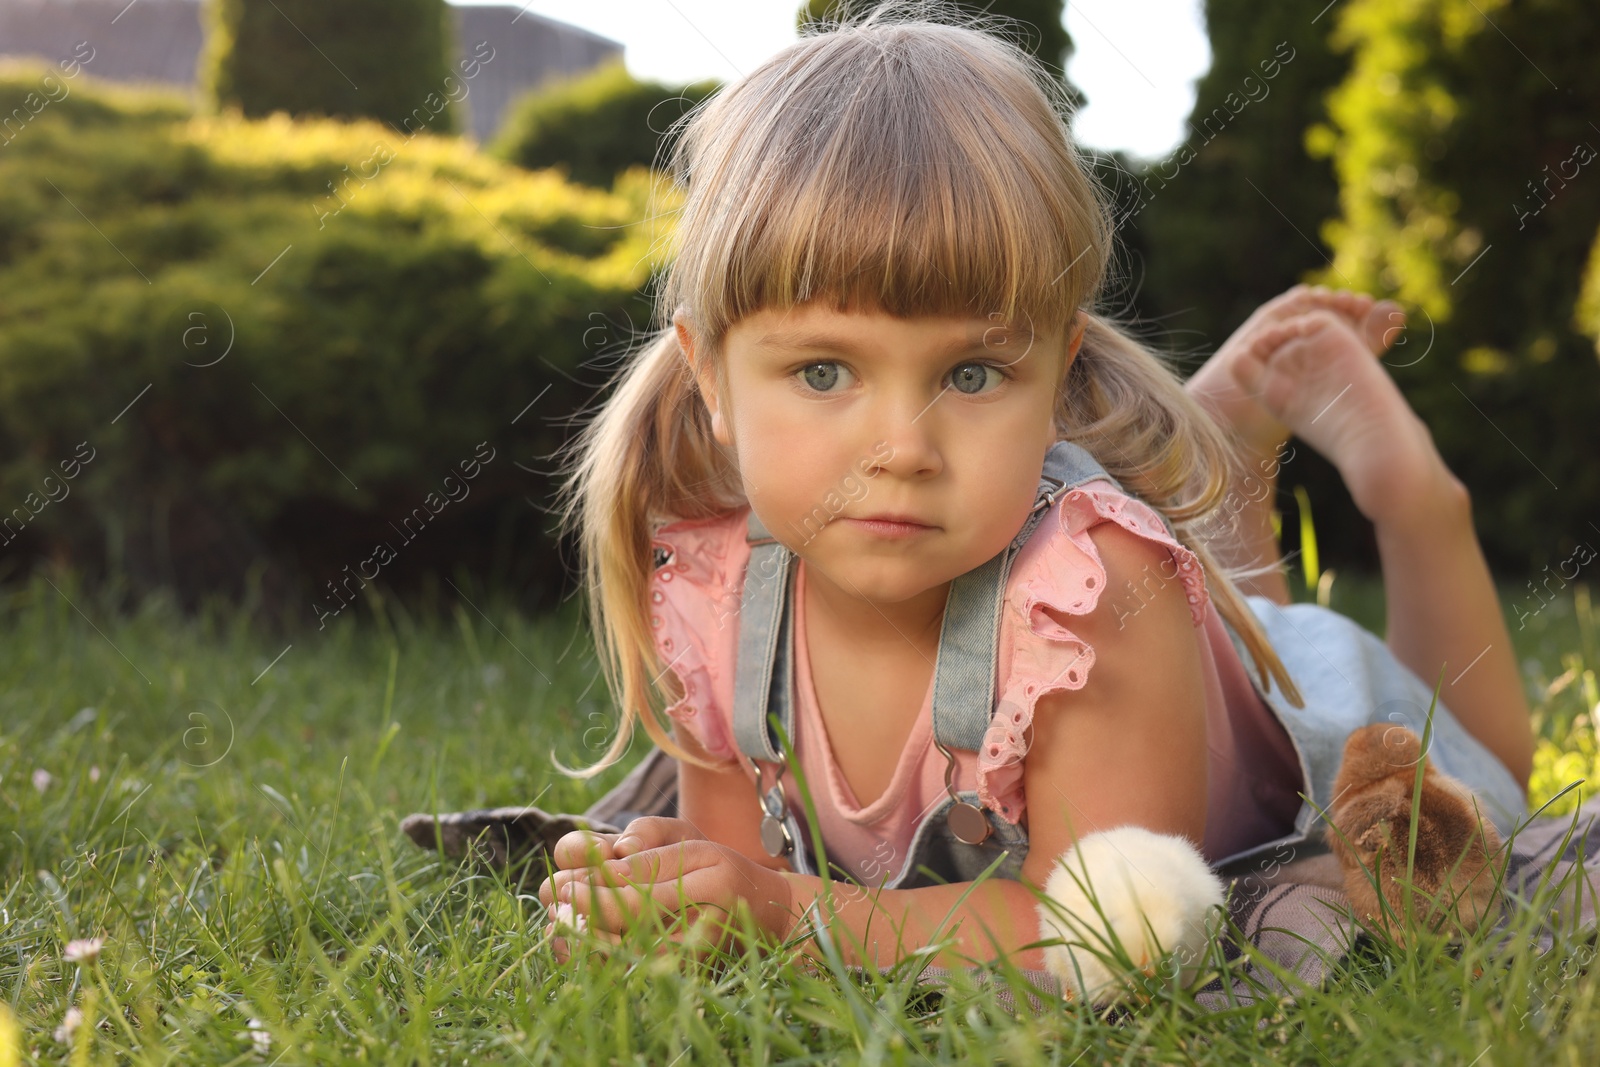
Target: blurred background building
[160,41]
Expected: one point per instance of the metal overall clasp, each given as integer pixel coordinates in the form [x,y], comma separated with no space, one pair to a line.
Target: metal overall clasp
[966,821]
[1047,496]
[775,837]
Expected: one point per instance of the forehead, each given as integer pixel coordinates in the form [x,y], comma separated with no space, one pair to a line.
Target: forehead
[817,325]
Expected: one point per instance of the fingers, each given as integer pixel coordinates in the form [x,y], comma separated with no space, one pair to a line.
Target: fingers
[586,848]
[688,885]
[583,851]
[614,895]
[583,848]
[703,937]
[654,831]
[566,930]
[655,871]
[577,851]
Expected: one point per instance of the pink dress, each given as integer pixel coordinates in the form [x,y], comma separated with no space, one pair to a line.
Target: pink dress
[1253,772]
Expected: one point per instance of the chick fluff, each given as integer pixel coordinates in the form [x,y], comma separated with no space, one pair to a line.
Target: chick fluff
[1459,864]
[1144,883]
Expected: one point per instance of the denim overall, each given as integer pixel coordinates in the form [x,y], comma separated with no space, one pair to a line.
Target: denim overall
[1347,676]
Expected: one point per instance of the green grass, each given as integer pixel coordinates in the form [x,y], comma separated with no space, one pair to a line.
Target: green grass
[227,822]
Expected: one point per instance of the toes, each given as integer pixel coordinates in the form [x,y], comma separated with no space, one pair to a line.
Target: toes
[1276,345]
[1295,301]
[1291,330]
[1290,302]
[1320,319]
[1353,306]
[1253,358]
[1251,366]
[1274,337]
[1303,299]
[1383,325]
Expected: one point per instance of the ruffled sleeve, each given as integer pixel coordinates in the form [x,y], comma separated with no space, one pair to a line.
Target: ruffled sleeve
[1059,570]
[694,611]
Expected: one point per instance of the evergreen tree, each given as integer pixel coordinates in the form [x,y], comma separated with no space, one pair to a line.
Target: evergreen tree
[1468,155]
[381,59]
[1233,214]
[1043,31]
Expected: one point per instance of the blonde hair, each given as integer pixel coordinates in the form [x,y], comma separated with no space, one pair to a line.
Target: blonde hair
[890,162]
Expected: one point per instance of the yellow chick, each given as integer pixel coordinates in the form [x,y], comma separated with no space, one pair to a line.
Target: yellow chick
[1145,883]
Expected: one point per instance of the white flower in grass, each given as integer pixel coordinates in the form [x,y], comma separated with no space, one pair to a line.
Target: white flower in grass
[42,779]
[69,1024]
[83,951]
[260,1038]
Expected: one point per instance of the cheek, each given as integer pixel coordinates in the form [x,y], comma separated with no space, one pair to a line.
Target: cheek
[783,453]
[1000,469]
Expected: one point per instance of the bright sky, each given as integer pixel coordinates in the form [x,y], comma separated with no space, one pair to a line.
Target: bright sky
[1136,60]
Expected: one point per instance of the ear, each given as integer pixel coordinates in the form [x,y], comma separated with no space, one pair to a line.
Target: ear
[704,374]
[1080,326]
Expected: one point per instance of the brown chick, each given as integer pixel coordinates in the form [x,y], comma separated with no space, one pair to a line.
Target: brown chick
[1459,862]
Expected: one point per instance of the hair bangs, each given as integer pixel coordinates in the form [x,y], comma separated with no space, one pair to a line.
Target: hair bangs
[911,189]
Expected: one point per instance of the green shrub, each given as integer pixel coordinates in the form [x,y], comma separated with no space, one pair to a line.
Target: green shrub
[277,337]
[597,125]
[380,59]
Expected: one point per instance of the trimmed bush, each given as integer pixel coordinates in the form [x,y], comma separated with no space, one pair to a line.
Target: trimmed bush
[597,125]
[277,338]
[379,59]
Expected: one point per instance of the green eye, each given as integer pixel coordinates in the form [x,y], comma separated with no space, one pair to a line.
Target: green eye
[821,376]
[970,378]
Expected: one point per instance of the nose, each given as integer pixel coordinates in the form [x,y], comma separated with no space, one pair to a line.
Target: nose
[904,429]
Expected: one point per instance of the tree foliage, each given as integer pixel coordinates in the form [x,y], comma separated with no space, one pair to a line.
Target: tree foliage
[381,59]
[596,125]
[1468,160]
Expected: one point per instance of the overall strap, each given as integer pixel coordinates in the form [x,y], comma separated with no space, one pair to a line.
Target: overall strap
[964,672]
[763,645]
[969,638]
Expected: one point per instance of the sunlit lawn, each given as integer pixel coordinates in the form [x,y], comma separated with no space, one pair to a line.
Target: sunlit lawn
[225,818]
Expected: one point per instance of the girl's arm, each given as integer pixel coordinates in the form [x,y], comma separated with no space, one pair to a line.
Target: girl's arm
[721,805]
[1127,748]
[1130,748]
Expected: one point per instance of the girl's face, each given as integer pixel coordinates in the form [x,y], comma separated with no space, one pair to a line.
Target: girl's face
[837,417]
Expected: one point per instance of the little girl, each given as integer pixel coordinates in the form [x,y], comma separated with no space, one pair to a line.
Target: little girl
[889,509]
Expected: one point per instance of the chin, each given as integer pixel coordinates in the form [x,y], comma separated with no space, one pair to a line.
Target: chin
[868,583]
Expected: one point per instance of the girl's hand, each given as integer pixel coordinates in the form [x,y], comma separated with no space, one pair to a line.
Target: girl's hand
[585,848]
[669,873]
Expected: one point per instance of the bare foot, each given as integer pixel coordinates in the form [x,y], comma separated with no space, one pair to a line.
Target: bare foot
[1315,375]
[1377,322]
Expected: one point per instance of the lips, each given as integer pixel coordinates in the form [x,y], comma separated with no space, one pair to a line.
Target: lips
[895,527]
[909,519]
